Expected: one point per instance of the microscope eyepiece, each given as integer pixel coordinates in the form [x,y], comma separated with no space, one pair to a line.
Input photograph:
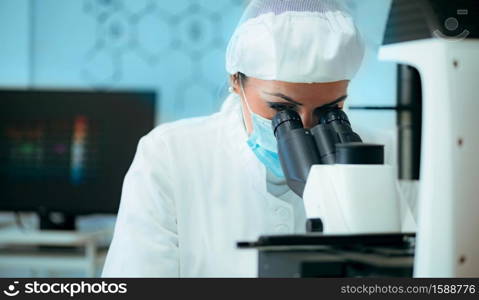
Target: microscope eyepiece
[296,149]
[286,119]
[332,115]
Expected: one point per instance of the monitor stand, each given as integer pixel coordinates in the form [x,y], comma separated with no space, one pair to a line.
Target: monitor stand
[56,221]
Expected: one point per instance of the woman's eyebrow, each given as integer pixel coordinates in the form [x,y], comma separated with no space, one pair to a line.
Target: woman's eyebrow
[340,99]
[289,99]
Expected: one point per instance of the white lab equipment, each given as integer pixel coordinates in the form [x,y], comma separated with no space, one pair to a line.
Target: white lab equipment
[353,198]
[447,221]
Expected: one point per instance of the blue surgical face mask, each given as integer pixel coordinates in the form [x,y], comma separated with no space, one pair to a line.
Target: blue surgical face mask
[263,142]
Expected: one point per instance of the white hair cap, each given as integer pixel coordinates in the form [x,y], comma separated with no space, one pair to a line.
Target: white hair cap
[295,41]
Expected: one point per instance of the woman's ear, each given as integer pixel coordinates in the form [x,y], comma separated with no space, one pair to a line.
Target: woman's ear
[234,83]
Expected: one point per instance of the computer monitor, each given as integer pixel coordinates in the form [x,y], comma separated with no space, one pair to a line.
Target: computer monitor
[68,151]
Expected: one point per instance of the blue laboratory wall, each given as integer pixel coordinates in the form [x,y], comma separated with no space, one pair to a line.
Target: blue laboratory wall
[173,47]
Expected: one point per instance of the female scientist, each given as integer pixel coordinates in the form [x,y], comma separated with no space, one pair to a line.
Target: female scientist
[198,186]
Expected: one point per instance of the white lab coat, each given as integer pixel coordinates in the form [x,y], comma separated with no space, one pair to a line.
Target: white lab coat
[193,191]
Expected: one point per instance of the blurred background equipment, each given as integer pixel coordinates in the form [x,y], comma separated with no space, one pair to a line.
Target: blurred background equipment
[68,151]
[64,154]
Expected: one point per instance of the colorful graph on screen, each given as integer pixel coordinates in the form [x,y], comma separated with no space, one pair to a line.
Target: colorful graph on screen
[50,149]
[79,138]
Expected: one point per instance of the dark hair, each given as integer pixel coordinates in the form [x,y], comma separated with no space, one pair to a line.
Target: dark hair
[242,77]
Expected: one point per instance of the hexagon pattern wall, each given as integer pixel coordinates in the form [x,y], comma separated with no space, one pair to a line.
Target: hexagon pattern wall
[174,47]
[187,35]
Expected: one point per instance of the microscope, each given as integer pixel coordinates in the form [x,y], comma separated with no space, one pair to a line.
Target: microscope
[333,154]
[350,195]
[350,198]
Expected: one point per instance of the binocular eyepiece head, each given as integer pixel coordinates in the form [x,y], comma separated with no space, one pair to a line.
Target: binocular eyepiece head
[291,119]
[331,141]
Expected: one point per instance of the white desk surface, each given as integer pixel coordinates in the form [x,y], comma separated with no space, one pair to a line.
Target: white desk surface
[16,236]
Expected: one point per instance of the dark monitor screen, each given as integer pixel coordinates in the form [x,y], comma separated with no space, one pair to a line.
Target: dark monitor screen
[68,151]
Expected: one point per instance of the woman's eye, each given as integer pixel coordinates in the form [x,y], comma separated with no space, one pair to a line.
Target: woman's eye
[326,108]
[280,106]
